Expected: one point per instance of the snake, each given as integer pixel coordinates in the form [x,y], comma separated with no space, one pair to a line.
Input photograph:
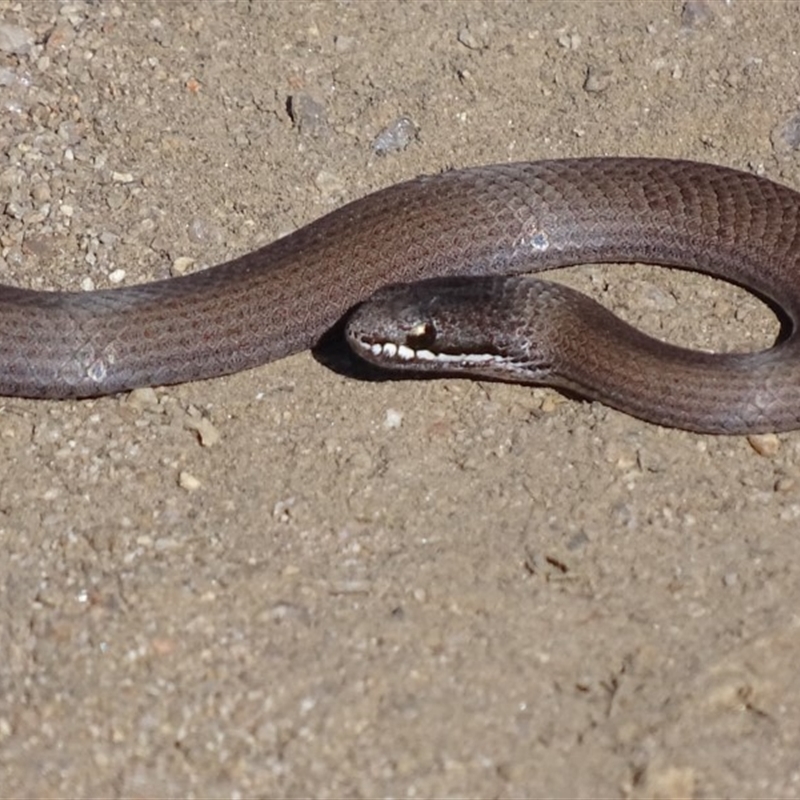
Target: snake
[437,275]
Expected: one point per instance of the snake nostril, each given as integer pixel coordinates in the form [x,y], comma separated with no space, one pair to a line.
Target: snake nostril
[421,336]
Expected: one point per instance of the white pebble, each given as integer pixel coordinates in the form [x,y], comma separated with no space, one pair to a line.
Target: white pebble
[181,265]
[394,419]
[188,481]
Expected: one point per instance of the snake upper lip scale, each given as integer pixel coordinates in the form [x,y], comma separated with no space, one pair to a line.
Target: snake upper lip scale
[487,222]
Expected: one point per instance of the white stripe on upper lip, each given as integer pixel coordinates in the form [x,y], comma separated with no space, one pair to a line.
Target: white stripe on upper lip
[391,350]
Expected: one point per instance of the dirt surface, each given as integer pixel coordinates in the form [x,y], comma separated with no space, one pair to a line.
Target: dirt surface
[289,582]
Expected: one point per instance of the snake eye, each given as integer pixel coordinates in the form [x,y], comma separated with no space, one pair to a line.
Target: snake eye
[421,336]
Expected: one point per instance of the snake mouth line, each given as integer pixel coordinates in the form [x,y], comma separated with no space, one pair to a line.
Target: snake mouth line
[400,353]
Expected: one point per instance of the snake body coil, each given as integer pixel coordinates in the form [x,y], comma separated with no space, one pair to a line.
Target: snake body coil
[487,221]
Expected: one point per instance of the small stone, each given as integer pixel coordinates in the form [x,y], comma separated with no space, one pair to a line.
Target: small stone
[202,231]
[12,177]
[116,199]
[61,37]
[343,44]
[308,115]
[785,136]
[394,419]
[144,397]
[730,579]
[569,41]
[765,444]
[122,177]
[655,297]
[549,404]
[206,432]
[328,183]
[289,612]
[116,276]
[695,13]
[282,510]
[188,481]
[670,781]
[181,265]
[14,210]
[14,39]
[468,39]
[395,136]
[8,77]
[41,193]
[34,218]
[597,80]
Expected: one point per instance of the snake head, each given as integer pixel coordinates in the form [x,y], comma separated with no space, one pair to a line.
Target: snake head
[449,326]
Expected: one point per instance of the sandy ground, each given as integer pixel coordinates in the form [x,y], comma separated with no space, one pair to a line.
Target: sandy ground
[289,582]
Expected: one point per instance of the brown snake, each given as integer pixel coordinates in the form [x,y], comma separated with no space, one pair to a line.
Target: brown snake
[486,221]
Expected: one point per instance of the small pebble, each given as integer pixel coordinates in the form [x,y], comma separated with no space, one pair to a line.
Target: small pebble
[598,79]
[14,210]
[695,13]
[14,39]
[12,177]
[201,231]
[206,432]
[181,265]
[308,115]
[188,481]
[569,41]
[550,403]
[288,612]
[116,199]
[41,193]
[730,579]
[116,276]
[396,136]
[765,444]
[60,38]
[785,136]
[655,297]
[328,183]
[343,44]
[282,510]
[144,397]
[468,39]
[8,77]
[394,419]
